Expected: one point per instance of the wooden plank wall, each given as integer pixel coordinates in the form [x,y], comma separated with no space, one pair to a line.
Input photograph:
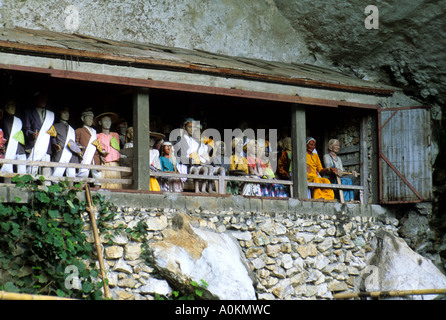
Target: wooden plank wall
[406,169]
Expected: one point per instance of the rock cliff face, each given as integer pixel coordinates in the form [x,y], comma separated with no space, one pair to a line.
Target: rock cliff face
[406,49]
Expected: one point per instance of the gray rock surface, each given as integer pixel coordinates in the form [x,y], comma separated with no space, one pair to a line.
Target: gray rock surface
[189,253]
[394,266]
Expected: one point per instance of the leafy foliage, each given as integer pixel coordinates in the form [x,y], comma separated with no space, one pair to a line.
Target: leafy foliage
[180,295]
[39,240]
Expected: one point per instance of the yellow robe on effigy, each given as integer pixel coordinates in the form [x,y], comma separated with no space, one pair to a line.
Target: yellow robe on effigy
[313,167]
[154,185]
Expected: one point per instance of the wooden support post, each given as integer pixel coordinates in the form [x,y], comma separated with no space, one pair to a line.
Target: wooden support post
[221,185]
[141,140]
[299,159]
[374,189]
[364,158]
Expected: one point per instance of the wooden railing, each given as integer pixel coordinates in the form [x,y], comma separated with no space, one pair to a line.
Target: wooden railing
[340,187]
[221,179]
[47,164]
[128,181]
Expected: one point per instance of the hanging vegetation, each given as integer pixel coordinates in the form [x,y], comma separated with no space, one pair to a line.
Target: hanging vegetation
[43,246]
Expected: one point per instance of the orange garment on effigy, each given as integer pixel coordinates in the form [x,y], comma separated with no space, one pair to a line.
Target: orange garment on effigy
[313,167]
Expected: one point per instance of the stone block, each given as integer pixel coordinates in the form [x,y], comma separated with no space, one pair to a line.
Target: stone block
[238,203]
[122,266]
[260,238]
[318,207]
[120,238]
[337,286]
[194,202]
[129,282]
[294,204]
[124,295]
[255,205]
[4,194]
[280,205]
[175,201]
[132,251]
[268,205]
[156,286]
[307,250]
[273,250]
[156,223]
[114,252]
[16,195]
[154,201]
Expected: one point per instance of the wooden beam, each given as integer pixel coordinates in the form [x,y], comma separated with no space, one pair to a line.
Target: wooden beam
[165,85]
[299,159]
[141,140]
[188,66]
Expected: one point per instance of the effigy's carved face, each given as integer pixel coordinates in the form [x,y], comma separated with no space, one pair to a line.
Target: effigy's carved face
[189,127]
[88,119]
[106,122]
[10,108]
[311,146]
[167,149]
[335,147]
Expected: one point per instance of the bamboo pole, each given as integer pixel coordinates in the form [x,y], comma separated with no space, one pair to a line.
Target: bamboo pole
[25,296]
[386,294]
[350,173]
[97,240]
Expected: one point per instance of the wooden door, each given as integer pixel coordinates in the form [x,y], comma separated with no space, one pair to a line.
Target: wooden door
[405,168]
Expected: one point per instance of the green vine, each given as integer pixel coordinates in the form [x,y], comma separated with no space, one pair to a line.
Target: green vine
[43,244]
[182,295]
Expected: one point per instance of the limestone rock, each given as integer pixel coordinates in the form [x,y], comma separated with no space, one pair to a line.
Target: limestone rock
[122,266]
[127,283]
[337,286]
[120,238]
[307,250]
[156,286]
[156,223]
[132,251]
[124,295]
[188,253]
[114,252]
[242,235]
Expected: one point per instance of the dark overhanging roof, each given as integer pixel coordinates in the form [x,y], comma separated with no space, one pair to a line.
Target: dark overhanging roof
[79,47]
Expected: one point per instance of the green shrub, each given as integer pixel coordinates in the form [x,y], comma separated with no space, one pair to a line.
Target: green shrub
[43,244]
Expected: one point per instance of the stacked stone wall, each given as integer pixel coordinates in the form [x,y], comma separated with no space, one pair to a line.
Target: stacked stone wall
[292,255]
